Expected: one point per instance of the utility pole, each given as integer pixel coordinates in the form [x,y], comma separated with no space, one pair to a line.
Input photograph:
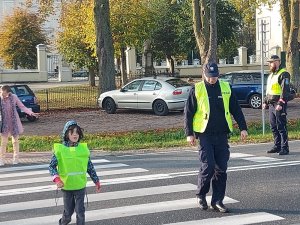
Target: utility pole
[263,50]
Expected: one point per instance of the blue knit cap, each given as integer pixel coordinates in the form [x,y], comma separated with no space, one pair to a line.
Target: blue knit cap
[66,127]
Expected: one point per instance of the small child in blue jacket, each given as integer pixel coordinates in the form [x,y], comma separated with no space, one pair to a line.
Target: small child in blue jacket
[68,167]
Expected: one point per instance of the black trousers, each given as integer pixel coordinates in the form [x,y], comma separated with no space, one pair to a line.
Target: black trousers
[213,155]
[73,200]
[278,126]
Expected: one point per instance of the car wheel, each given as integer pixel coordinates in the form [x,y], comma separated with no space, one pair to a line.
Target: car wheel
[31,118]
[160,108]
[109,106]
[255,101]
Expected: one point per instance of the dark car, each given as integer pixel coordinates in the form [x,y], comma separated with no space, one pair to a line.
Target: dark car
[28,98]
[246,85]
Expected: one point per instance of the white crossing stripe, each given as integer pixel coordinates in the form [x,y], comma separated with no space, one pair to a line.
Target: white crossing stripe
[234,155]
[48,178]
[243,219]
[118,212]
[28,190]
[261,159]
[101,197]
[41,166]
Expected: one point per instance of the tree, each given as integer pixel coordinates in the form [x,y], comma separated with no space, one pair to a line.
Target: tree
[73,41]
[290,20]
[164,35]
[20,34]
[131,22]
[104,43]
[205,29]
[105,48]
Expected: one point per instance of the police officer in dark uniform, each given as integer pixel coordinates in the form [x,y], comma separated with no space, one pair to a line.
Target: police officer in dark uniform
[207,117]
[277,94]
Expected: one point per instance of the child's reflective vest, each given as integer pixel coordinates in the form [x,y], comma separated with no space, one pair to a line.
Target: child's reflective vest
[72,165]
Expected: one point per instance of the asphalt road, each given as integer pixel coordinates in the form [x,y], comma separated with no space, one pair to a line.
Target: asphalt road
[159,188]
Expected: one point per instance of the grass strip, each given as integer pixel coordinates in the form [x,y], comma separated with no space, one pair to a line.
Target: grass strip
[164,138]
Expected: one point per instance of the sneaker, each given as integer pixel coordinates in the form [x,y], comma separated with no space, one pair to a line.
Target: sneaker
[15,161]
[2,162]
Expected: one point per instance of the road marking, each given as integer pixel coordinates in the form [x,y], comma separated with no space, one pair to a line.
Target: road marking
[48,178]
[42,166]
[145,178]
[101,197]
[118,212]
[261,159]
[243,219]
[239,155]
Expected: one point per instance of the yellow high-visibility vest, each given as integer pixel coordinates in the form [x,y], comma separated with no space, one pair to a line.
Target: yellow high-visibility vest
[72,165]
[273,87]
[201,116]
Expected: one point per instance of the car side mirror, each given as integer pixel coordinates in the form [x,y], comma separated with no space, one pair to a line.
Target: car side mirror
[123,90]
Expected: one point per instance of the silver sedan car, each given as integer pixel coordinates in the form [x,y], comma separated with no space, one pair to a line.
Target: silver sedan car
[160,94]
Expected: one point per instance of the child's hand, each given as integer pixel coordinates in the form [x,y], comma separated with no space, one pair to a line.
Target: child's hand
[98,187]
[58,182]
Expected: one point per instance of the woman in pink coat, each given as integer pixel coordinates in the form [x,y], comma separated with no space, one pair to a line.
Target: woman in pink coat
[10,122]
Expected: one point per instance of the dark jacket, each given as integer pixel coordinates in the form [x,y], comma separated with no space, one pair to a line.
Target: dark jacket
[217,122]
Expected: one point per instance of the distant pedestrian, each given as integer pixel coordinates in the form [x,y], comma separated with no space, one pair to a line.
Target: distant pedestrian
[207,118]
[278,92]
[10,122]
[68,167]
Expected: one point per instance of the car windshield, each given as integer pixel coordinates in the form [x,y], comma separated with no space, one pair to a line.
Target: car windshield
[178,83]
[20,90]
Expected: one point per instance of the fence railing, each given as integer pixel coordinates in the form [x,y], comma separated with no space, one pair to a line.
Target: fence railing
[67,97]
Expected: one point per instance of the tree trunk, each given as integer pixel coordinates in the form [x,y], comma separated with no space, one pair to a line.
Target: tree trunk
[201,27]
[92,81]
[291,29]
[286,22]
[104,46]
[124,78]
[212,51]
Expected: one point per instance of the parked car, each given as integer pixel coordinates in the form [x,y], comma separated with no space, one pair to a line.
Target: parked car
[160,94]
[28,98]
[246,85]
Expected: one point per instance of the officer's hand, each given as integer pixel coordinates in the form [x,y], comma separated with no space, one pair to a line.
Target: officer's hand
[278,107]
[244,135]
[191,140]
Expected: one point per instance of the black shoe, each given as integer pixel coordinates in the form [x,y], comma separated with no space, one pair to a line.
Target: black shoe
[284,152]
[220,207]
[274,150]
[202,202]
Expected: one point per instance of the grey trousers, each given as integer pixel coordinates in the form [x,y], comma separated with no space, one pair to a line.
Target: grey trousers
[73,200]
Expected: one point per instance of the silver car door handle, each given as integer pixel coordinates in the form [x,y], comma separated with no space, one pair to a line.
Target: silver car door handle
[154,93]
[134,93]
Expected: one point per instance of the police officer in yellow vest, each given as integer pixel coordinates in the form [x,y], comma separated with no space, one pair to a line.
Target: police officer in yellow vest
[207,117]
[277,94]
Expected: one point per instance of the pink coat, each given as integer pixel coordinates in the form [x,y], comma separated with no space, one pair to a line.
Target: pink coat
[9,114]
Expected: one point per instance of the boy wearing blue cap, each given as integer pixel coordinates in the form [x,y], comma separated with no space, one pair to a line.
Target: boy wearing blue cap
[68,167]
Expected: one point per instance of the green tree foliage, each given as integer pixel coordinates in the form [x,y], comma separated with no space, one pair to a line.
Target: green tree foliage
[20,33]
[228,24]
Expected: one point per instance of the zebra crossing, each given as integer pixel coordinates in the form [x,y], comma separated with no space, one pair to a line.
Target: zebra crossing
[27,197]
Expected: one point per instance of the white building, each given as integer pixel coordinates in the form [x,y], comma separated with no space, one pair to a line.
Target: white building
[273,30]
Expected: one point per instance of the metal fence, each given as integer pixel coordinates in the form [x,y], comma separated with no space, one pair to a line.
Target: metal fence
[67,98]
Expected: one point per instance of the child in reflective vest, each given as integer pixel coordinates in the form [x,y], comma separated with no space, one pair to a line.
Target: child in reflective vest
[68,167]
